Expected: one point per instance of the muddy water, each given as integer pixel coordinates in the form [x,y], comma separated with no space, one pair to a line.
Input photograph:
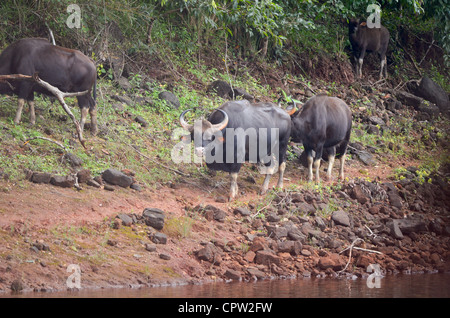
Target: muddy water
[391,286]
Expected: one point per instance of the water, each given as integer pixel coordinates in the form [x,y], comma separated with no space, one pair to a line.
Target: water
[391,286]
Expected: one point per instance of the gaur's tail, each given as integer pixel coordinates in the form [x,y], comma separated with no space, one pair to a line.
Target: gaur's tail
[94,91]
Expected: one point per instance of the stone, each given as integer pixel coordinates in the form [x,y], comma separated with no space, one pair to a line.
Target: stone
[140,120]
[233,274]
[164,256]
[395,199]
[16,285]
[221,88]
[431,91]
[237,92]
[242,211]
[73,160]
[41,177]
[159,238]
[254,272]
[266,257]
[150,247]
[276,232]
[170,98]
[408,226]
[395,229]
[341,218]
[126,220]
[84,176]
[154,217]
[63,181]
[207,253]
[123,83]
[117,177]
[333,261]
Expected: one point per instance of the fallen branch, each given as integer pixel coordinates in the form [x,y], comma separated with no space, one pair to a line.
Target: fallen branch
[158,163]
[55,91]
[351,247]
[47,139]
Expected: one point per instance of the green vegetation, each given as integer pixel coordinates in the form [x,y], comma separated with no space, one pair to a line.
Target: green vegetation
[183,46]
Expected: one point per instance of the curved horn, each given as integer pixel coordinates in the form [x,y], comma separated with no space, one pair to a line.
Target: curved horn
[292,110]
[183,122]
[222,124]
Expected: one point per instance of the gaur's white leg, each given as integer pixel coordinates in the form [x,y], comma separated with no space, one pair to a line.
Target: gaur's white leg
[330,166]
[341,167]
[383,62]
[269,172]
[234,185]
[20,103]
[281,175]
[310,168]
[93,113]
[84,112]
[32,113]
[317,167]
[360,63]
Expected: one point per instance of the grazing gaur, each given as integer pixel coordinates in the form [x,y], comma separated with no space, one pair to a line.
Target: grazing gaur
[240,131]
[323,124]
[364,39]
[69,70]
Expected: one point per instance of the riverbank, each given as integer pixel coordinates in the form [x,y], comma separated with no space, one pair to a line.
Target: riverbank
[185,234]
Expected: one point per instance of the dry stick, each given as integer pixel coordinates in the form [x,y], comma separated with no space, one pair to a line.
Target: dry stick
[55,91]
[45,138]
[158,163]
[351,247]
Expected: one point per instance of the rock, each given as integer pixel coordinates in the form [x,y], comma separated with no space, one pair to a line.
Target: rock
[395,199]
[116,177]
[236,92]
[366,158]
[84,176]
[292,247]
[359,195]
[221,88]
[150,247]
[276,231]
[41,177]
[164,256]
[159,238]
[408,226]
[123,99]
[170,98]
[72,160]
[266,257]
[395,229]
[207,253]
[108,187]
[210,212]
[259,244]
[233,274]
[242,211]
[409,99]
[141,120]
[123,83]
[154,218]
[431,91]
[333,261]
[63,181]
[16,285]
[254,272]
[306,208]
[126,220]
[341,218]
[136,186]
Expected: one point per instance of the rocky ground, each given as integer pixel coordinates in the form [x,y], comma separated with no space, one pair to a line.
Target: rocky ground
[121,233]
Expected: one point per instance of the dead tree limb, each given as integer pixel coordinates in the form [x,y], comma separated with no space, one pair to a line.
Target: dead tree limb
[55,91]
